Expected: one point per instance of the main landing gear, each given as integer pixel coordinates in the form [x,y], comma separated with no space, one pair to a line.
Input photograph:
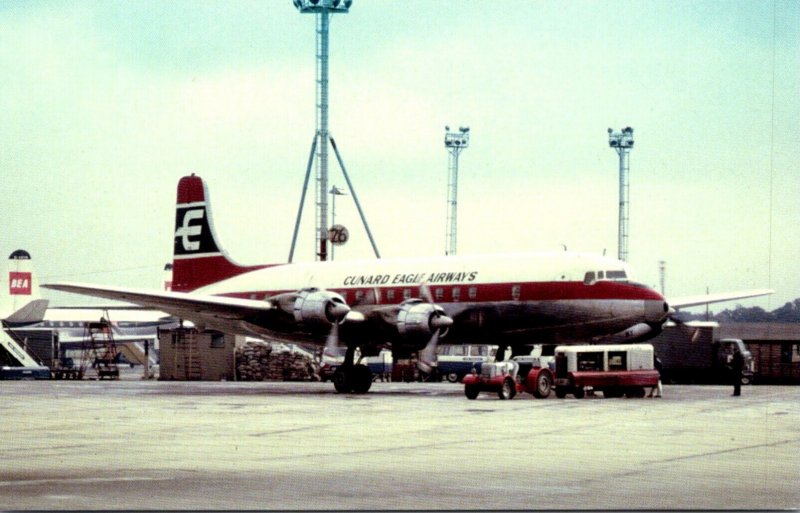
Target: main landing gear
[351,377]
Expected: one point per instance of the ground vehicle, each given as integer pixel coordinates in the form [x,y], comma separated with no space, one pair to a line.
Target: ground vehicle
[616,370]
[453,362]
[692,353]
[500,377]
[509,377]
[380,365]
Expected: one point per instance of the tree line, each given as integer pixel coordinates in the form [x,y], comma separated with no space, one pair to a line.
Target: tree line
[790,312]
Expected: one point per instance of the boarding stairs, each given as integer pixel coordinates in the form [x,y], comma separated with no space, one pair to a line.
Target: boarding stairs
[16,348]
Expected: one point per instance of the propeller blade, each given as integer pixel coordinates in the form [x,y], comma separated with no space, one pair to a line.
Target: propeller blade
[694,333]
[427,357]
[332,342]
[425,292]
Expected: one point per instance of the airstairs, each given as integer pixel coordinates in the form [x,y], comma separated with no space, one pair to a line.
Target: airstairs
[16,349]
[27,366]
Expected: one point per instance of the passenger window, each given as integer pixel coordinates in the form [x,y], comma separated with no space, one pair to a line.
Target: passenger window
[515,292]
[473,292]
[390,295]
[439,294]
[456,294]
[588,279]
[600,275]
[407,294]
[359,295]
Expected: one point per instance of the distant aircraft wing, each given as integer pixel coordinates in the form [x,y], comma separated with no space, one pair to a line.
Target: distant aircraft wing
[687,301]
[197,308]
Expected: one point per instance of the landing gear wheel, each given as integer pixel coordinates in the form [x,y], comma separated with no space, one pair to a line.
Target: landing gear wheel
[507,390]
[360,379]
[452,377]
[544,383]
[578,392]
[471,392]
[341,381]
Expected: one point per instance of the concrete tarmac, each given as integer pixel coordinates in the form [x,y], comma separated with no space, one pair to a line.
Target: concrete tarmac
[171,445]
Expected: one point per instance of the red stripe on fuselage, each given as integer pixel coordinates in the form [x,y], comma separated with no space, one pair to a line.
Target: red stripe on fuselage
[534,291]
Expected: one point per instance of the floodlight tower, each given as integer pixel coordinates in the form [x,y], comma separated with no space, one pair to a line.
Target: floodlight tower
[323,9]
[622,142]
[455,143]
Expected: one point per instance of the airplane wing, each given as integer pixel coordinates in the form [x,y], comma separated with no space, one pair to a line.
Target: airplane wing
[197,308]
[687,301]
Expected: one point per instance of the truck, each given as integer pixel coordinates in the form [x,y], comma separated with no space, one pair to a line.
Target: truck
[692,353]
[613,369]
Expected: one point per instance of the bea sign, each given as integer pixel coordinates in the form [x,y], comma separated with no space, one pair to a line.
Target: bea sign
[19,283]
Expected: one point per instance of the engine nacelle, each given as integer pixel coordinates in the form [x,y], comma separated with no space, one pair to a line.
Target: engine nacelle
[636,333]
[314,307]
[419,319]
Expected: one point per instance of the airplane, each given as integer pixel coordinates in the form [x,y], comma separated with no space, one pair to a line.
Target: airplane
[22,308]
[510,300]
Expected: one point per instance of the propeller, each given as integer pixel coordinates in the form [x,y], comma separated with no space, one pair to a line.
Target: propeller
[439,323]
[693,333]
[340,312]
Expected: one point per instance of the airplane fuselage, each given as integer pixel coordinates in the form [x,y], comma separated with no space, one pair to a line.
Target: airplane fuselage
[516,298]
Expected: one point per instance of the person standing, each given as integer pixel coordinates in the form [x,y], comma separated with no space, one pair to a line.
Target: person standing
[659,367]
[737,366]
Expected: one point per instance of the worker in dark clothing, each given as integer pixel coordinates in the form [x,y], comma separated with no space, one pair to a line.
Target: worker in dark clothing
[737,367]
[659,367]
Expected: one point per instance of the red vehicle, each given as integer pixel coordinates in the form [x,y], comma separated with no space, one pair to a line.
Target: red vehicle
[503,378]
[615,370]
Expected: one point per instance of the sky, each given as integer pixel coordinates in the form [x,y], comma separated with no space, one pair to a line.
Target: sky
[104,105]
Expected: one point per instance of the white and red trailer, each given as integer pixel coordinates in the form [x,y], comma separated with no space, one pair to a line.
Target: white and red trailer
[615,370]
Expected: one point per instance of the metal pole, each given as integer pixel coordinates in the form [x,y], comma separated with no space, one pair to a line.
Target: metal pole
[303,196]
[355,198]
[622,243]
[323,23]
[333,218]
[452,220]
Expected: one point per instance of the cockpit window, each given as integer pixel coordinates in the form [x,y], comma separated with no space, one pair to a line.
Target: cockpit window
[616,275]
[588,279]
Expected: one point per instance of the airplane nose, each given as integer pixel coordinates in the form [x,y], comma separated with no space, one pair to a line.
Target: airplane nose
[656,311]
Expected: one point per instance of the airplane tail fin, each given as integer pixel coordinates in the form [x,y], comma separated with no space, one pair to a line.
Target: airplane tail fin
[198,258]
[20,298]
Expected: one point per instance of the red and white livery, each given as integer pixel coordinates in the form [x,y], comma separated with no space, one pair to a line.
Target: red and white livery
[510,300]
